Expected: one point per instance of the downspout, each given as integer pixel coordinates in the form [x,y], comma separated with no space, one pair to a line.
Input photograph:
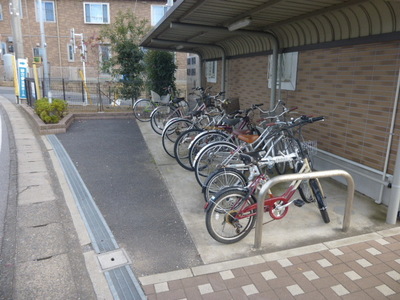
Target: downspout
[274,76]
[59,43]
[393,207]
[223,75]
[391,133]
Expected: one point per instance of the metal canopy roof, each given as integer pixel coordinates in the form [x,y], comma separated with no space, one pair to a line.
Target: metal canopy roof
[201,26]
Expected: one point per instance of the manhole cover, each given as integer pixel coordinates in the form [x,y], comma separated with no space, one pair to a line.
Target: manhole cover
[113,259]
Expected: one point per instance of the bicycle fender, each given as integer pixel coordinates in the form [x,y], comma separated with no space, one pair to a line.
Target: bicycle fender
[210,202]
[205,133]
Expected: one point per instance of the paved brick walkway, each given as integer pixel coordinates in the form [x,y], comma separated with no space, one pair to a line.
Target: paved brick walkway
[363,267]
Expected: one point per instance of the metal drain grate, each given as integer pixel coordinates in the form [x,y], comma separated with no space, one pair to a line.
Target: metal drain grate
[121,280]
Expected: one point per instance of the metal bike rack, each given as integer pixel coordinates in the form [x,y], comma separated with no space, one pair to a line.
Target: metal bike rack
[303,176]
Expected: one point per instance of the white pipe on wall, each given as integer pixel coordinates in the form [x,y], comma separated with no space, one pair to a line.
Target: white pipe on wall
[393,207]
[391,132]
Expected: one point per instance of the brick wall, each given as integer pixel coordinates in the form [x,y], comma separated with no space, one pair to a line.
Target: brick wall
[354,87]
[70,14]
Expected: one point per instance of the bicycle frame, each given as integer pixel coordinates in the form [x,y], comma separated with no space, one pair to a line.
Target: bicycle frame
[279,202]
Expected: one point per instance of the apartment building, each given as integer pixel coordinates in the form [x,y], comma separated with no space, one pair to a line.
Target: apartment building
[81,19]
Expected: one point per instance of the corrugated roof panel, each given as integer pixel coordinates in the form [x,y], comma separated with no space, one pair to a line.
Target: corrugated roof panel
[326,26]
[386,13]
[364,20]
[293,22]
[374,14]
[344,23]
[336,26]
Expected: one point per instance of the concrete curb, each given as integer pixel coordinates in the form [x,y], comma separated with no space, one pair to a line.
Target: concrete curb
[66,122]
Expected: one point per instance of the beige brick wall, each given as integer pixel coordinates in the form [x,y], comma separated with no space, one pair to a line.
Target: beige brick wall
[69,14]
[353,87]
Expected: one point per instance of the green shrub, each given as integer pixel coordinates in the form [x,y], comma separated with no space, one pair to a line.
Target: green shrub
[51,112]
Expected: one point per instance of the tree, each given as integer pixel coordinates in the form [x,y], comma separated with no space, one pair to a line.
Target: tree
[126,61]
[160,70]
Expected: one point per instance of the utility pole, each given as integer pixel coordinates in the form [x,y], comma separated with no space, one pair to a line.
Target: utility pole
[16,28]
[46,75]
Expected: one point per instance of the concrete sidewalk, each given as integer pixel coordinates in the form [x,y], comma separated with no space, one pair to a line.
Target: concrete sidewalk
[42,254]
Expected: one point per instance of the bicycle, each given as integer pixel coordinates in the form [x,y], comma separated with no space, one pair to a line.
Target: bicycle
[231,213]
[142,108]
[198,119]
[225,153]
[233,174]
[221,125]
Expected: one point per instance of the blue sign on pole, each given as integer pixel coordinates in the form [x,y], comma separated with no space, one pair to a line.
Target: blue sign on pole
[22,74]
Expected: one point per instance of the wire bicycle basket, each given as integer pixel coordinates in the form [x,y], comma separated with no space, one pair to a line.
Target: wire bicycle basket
[310,147]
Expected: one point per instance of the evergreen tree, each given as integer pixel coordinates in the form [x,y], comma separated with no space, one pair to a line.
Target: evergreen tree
[126,61]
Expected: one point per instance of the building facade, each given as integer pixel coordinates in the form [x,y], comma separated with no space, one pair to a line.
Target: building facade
[82,20]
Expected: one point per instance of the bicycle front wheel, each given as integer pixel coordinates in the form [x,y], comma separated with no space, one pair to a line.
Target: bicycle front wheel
[181,148]
[142,109]
[230,218]
[320,200]
[160,116]
[214,156]
[304,188]
[203,140]
[171,133]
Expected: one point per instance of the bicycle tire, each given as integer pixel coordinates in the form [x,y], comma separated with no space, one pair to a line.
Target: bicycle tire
[181,147]
[160,116]
[202,140]
[304,188]
[213,157]
[142,109]
[320,200]
[220,216]
[280,148]
[171,132]
[221,179]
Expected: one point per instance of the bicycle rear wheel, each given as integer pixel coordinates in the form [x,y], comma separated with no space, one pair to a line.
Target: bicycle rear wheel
[222,178]
[142,109]
[226,220]
[181,147]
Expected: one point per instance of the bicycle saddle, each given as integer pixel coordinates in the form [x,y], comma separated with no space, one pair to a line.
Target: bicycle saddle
[248,138]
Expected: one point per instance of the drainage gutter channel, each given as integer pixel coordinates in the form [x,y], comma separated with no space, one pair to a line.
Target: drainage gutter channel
[121,280]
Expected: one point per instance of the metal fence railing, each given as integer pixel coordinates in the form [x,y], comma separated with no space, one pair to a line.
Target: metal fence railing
[76,92]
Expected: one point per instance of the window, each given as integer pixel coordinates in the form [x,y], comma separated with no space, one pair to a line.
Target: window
[97,13]
[1,12]
[71,52]
[157,12]
[287,71]
[48,11]
[3,48]
[37,54]
[211,71]
[104,54]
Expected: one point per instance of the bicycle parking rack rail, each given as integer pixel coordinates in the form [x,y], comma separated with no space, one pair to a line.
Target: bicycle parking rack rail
[303,176]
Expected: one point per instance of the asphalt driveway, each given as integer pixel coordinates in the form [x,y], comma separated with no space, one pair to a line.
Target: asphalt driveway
[119,171]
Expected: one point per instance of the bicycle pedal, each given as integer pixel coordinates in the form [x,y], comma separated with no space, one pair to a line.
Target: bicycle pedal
[298,202]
